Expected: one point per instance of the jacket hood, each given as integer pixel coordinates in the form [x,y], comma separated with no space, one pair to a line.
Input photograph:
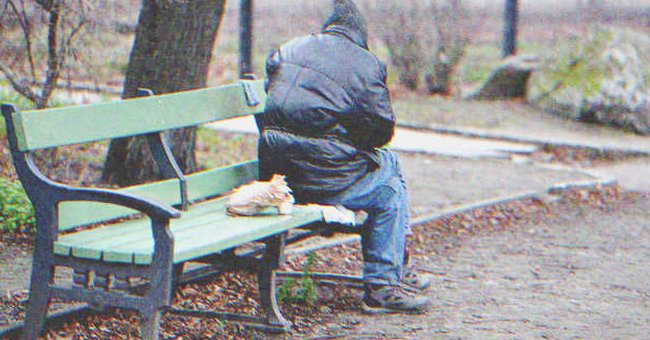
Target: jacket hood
[348,21]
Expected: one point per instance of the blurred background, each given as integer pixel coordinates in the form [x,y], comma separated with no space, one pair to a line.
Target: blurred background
[425,42]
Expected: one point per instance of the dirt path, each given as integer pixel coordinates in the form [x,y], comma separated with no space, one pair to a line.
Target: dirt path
[631,175]
[578,274]
[515,121]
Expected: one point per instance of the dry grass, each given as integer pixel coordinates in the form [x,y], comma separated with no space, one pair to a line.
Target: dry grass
[104,49]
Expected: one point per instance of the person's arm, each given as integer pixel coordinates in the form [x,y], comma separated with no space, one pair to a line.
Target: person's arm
[377,120]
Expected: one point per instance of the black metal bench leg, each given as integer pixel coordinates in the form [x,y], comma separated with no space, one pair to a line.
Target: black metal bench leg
[266,280]
[269,301]
[149,322]
[177,275]
[39,300]
[178,271]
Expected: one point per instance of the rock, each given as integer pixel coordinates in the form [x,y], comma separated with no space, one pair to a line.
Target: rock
[508,80]
[603,77]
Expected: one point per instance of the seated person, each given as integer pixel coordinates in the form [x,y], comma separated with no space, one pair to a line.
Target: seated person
[328,114]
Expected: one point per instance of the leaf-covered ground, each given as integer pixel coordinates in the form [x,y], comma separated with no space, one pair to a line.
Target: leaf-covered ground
[236,292]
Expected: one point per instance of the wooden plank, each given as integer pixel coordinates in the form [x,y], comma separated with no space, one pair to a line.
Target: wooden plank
[62,249]
[220,181]
[134,231]
[228,233]
[205,232]
[82,252]
[200,185]
[120,237]
[39,129]
[113,248]
[130,228]
[247,231]
[140,229]
[74,214]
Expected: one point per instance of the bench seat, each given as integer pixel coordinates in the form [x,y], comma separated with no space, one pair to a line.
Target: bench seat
[204,229]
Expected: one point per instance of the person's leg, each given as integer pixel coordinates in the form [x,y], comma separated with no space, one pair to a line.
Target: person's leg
[412,278]
[381,194]
[384,235]
[383,241]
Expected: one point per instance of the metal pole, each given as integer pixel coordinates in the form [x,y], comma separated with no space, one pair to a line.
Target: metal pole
[245,37]
[510,28]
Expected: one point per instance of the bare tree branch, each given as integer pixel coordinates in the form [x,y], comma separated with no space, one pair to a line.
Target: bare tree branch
[46,4]
[53,61]
[27,28]
[66,47]
[13,79]
[64,24]
[5,9]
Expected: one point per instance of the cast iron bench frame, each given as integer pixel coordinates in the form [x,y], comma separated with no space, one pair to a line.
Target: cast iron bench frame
[102,278]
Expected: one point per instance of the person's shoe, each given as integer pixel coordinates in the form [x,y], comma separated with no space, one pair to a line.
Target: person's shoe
[415,280]
[392,299]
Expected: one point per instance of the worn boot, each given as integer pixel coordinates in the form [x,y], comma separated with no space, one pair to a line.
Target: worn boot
[412,279]
[380,299]
[416,281]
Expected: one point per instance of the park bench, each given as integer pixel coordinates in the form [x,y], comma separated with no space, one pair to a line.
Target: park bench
[126,246]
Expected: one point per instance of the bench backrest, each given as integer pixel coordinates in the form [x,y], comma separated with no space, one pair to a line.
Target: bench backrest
[41,129]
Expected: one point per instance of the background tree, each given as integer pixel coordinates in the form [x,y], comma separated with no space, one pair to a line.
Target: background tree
[172,52]
[24,25]
[403,36]
[425,39]
[452,39]
[511,22]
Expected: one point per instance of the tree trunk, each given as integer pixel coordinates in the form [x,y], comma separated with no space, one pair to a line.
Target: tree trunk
[172,52]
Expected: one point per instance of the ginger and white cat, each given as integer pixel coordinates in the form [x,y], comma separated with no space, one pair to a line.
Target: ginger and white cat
[251,199]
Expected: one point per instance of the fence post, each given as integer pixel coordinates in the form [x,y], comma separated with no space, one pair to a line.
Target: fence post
[245,37]
[510,28]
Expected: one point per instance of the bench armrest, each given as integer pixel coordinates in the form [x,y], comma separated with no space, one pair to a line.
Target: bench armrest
[43,191]
[147,206]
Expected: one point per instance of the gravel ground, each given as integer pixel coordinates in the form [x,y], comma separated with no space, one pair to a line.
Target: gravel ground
[520,271]
[435,183]
[574,269]
[579,272]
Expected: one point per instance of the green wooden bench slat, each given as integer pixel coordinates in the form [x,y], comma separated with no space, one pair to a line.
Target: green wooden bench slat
[250,231]
[47,128]
[194,237]
[134,227]
[135,231]
[74,214]
[219,181]
[86,253]
[62,249]
[140,231]
[200,185]
[231,232]
[131,233]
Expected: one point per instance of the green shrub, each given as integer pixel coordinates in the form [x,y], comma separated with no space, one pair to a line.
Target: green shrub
[16,211]
[302,291]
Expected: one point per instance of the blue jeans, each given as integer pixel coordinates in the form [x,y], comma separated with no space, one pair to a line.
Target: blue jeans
[382,194]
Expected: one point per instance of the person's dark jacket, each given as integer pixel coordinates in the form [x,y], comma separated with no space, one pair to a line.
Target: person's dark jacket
[328,108]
